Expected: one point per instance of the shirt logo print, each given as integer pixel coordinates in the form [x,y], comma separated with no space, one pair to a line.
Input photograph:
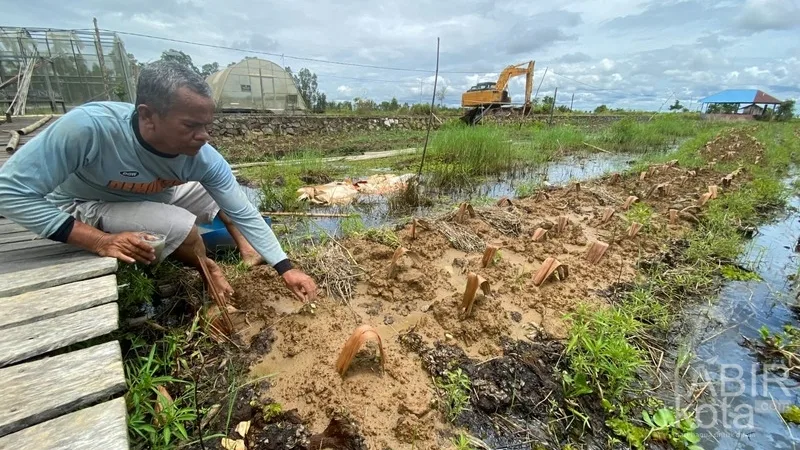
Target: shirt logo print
[152,187]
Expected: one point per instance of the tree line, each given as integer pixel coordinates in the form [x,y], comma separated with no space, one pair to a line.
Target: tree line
[316,100]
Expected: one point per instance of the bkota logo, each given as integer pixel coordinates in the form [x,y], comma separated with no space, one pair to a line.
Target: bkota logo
[129,173]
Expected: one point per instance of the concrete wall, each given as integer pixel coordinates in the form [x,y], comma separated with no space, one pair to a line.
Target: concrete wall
[229,125]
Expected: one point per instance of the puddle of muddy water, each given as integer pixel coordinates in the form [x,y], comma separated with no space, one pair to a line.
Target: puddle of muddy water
[374,210]
[739,408]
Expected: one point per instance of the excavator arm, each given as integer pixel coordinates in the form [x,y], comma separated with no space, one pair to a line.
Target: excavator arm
[514,71]
[528,84]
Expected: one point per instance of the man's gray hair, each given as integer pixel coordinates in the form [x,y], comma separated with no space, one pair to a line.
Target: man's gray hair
[159,82]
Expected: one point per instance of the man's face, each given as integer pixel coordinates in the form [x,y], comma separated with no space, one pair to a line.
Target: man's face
[184,129]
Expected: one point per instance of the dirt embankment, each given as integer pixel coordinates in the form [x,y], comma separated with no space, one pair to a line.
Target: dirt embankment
[509,345]
[259,147]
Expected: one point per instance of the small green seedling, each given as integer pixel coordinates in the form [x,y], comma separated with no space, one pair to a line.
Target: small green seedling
[681,433]
[456,386]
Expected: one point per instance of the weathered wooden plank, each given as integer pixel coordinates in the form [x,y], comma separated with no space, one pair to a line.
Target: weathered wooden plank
[44,263]
[26,341]
[17,236]
[27,245]
[56,301]
[42,252]
[54,275]
[10,227]
[102,426]
[51,387]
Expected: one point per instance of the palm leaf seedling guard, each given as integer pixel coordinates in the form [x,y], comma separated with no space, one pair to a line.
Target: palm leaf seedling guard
[629,201]
[549,267]
[361,335]
[673,216]
[464,210]
[607,213]
[505,201]
[633,230]
[596,251]
[488,255]
[561,224]
[539,235]
[474,281]
[704,199]
[399,253]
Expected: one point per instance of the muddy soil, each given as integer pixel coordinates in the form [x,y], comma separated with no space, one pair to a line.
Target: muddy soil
[509,346]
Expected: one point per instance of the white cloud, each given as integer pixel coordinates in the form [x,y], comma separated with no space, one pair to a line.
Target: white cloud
[761,15]
[623,53]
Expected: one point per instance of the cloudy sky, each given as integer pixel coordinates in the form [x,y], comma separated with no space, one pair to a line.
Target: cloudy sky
[623,53]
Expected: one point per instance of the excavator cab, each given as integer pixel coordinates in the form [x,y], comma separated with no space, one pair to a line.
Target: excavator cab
[487,86]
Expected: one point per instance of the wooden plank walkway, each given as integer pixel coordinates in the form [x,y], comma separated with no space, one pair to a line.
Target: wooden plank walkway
[52,296]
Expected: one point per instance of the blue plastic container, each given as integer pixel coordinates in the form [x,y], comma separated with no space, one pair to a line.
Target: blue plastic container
[216,236]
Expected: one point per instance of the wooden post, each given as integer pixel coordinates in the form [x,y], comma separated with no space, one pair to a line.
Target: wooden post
[553,106]
[430,117]
[101,59]
[571,102]
[49,87]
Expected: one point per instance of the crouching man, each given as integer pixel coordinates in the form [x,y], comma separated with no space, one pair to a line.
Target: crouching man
[107,170]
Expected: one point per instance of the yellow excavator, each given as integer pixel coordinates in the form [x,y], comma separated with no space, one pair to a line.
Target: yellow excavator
[492,95]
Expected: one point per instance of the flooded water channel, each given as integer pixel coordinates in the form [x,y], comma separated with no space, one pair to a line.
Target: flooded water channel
[739,408]
[375,210]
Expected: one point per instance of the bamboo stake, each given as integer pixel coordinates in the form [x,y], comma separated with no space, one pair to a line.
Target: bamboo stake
[216,296]
[595,147]
[302,214]
[12,142]
[30,128]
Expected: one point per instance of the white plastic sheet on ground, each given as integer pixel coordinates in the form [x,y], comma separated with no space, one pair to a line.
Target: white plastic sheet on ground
[343,193]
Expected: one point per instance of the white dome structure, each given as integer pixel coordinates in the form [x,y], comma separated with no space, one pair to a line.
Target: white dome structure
[255,85]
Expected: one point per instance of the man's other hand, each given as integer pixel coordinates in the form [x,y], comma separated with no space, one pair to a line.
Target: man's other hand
[301,285]
[127,247]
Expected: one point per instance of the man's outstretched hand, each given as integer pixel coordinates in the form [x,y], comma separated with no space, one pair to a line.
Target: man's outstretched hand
[127,247]
[301,285]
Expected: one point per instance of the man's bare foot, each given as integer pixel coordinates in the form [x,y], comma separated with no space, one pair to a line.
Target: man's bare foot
[217,278]
[250,257]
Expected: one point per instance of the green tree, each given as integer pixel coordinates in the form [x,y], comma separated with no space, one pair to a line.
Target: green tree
[364,104]
[676,106]
[441,94]
[208,69]
[393,105]
[179,57]
[601,109]
[320,102]
[785,110]
[306,82]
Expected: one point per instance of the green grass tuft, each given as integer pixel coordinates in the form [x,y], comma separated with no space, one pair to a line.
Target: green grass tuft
[599,348]
[455,387]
